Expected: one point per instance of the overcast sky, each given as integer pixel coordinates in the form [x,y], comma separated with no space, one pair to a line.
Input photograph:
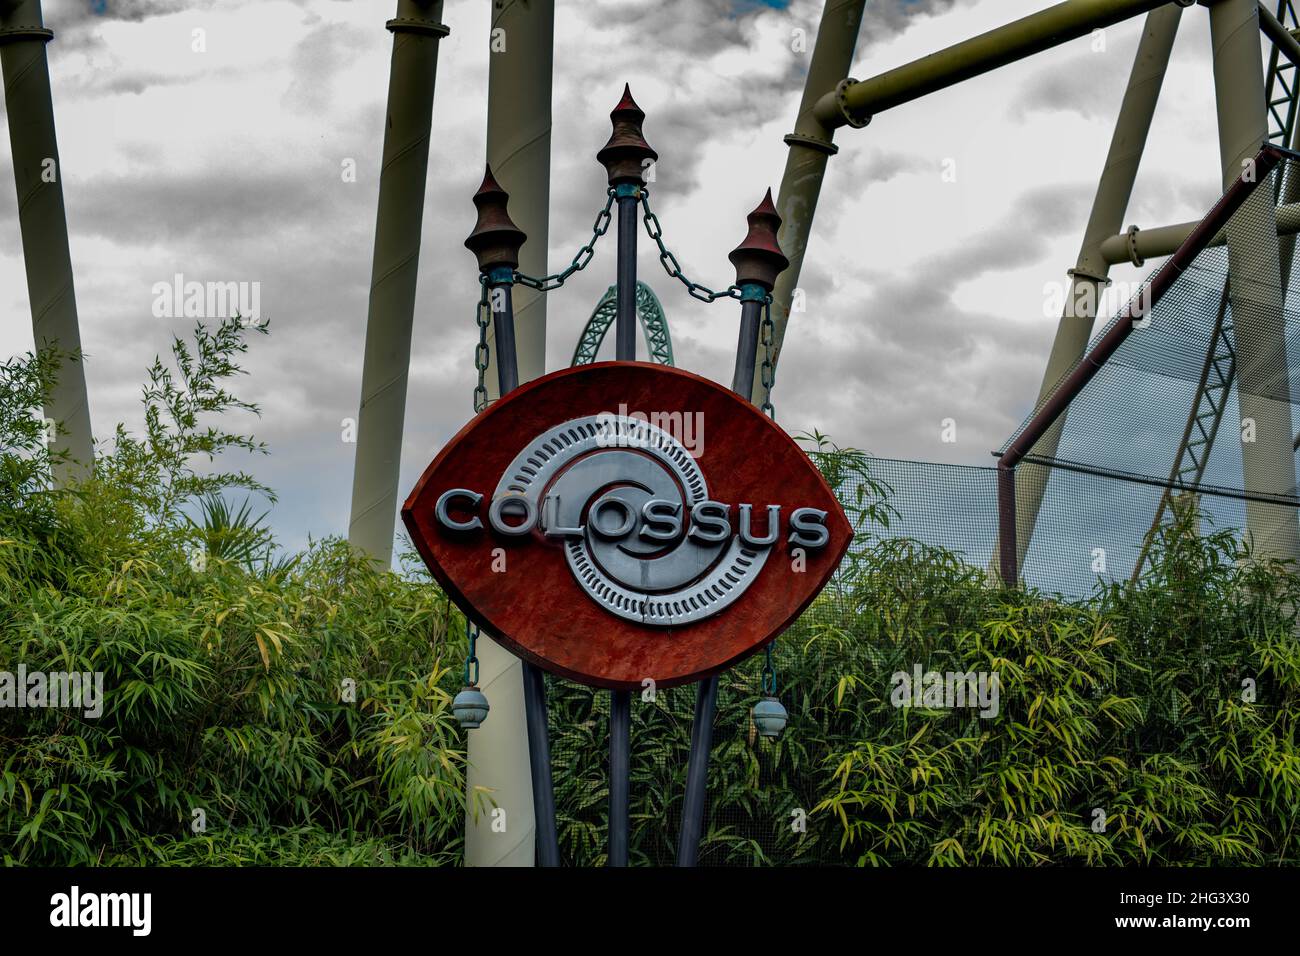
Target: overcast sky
[925,297]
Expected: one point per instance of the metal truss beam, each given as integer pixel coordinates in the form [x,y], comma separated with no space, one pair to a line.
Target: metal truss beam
[853,103]
[649,312]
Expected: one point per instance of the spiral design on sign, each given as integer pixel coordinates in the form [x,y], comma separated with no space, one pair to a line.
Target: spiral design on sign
[597,473]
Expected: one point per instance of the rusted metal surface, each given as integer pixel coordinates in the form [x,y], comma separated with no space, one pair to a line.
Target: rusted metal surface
[535,606]
[627,154]
[759,259]
[495,240]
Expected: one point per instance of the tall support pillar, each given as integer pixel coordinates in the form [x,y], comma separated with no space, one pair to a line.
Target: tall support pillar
[1090,275]
[519,151]
[811,145]
[1255,291]
[416,30]
[42,220]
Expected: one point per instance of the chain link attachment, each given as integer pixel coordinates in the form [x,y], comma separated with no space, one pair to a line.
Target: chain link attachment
[669,261]
[766,338]
[580,260]
[482,354]
[769,674]
[471,655]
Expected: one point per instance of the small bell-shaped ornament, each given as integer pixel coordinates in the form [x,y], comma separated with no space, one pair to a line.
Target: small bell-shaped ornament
[470,706]
[769,714]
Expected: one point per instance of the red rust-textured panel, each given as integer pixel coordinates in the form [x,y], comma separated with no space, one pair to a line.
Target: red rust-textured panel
[538,610]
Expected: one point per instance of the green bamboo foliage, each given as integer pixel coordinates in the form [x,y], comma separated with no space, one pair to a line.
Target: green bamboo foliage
[302,702]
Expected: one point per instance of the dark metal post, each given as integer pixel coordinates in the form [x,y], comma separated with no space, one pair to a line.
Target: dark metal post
[539,762]
[495,241]
[620,771]
[1007,525]
[500,283]
[758,261]
[697,772]
[628,196]
[751,313]
[625,158]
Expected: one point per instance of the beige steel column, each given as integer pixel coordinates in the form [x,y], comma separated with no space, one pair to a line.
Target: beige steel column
[42,221]
[519,152]
[1255,291]
[1090,275]
[416,30]
[805,165]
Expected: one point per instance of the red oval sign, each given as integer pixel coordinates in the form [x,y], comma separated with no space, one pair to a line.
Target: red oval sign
[623,521]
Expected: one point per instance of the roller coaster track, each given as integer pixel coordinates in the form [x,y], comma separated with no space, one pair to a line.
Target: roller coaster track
[653,325]
[1219,368]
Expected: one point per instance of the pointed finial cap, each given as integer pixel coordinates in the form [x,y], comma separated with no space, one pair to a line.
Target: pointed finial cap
[495,240]
[625,155]
[759,259]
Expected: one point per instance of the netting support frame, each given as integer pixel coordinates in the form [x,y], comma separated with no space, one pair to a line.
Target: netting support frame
[1266,160]
[1007,525]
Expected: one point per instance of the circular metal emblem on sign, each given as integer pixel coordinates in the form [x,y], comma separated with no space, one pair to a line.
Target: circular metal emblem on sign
[604,464]
[623,522]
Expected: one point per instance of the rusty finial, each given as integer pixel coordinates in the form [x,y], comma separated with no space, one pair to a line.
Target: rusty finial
[625,155]
[495,240]
[759,259]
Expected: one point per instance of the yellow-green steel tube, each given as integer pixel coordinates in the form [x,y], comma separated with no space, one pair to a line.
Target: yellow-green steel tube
[805,165]
[1255,291]
[521,45]
[856,103]
[38,176]
[416,30]
[1089,278]
[1163,240]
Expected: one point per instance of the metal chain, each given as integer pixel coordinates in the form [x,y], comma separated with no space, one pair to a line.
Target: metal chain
[544,284]
[670,264]
[481,353]
[766,338]
[471,658]
[769,674]
[580,260]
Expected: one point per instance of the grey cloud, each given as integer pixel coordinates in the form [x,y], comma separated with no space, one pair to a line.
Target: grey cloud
[907,355]
[134,11]
[898,354]
[882,21]
[1090,85]
[313,64]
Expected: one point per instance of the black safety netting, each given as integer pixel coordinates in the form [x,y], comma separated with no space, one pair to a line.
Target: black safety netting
[1199,400]
[928,539]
